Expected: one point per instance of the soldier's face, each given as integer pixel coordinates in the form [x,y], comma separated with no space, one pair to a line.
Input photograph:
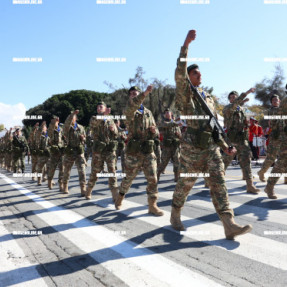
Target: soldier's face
[232,98]
[275,102]
[18,133]
[195,77]
[134,93]
[168,115]
[44,129]
[101,109]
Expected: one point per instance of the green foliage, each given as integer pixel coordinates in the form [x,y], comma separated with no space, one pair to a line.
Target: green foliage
[267,87]
[1,127]
[61,105]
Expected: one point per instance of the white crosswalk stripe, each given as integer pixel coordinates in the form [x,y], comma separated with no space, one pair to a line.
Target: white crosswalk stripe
[141,267]
[254,212]
[151,265]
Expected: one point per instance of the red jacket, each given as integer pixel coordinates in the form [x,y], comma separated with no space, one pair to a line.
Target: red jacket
[255,130]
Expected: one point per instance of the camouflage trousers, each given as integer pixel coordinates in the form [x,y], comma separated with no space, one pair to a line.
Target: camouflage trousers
[88,153]
[169,153]
[280,165]
[122,153]
[68,162]
[34,163]
[98,160]
[158,154]
[271,155]
[1,160]
[18,162]
[56,161]
[42,165]
[8,160]
[193,160]
[134,163]
[244,157]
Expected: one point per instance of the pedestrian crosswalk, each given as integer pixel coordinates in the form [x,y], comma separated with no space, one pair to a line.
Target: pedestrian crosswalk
[137,265]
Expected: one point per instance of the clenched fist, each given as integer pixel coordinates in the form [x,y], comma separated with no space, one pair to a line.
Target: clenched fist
[191,35]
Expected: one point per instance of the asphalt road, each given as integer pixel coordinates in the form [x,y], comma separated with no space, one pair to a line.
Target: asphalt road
[88,243]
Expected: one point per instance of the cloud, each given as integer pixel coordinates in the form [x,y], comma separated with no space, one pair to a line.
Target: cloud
[12,115]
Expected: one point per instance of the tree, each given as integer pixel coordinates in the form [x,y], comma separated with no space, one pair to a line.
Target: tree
[268,87]
[1,127]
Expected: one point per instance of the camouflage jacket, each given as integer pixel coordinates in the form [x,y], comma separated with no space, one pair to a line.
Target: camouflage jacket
[235,115]
[121,135]
[56,136]
[139,123]
[170,129]
[32,138]
[19,144]
[73,134]
[43,142]
[8,142]
[100,130]
[276,125]
[188,105]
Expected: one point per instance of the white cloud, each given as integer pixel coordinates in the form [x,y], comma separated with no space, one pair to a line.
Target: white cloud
[12,115]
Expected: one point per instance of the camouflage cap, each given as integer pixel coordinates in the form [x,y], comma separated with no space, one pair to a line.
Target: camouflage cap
[233,93]
[167,110]
[192,67]
[274,96]
[101,103]
[135,88]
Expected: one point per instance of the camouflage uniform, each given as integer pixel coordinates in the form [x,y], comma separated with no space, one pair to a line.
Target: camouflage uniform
[74,153]
[42,140]
[140,151]
[20,147]
[57,146]
[237,131]
[274,142]
[121,146]
[2,152]
[281,163]
[89,146]
[171,141]
[8,150]
[157,151]
[33,149]
[198,148]
[104,150]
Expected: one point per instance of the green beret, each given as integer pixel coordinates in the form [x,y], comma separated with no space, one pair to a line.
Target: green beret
[135,88]
[192,67]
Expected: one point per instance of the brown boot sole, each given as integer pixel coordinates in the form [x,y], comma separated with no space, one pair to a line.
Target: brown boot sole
[253,192]
[177,227]
[159,213]
[118,207]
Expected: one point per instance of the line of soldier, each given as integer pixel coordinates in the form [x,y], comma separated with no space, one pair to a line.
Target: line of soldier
[197,150]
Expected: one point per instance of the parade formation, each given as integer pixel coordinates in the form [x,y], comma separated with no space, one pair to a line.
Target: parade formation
[194,145]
